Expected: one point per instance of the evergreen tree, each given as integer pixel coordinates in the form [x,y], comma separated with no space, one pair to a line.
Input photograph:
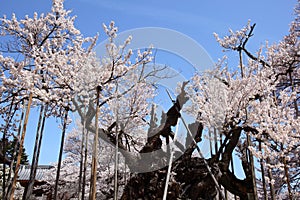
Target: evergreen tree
[10,149]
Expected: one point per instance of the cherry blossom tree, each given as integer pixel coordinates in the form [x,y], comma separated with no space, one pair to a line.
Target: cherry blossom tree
[40,57]
[126,90]
[253,111]
[55,71]
[68,186]
[256,109]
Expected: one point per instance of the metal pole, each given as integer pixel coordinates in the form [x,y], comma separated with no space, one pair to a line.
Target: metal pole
[170,163]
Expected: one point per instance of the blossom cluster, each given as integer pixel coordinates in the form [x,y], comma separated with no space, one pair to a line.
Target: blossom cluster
[261,97]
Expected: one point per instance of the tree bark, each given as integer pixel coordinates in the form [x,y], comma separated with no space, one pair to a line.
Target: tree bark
[191,178]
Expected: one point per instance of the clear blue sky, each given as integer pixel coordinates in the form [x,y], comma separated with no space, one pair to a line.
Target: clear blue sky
[197,19]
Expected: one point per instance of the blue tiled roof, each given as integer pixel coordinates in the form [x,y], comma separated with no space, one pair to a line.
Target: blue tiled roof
[24,172]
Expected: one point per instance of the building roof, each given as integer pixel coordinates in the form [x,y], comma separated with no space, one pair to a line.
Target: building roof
[24,172]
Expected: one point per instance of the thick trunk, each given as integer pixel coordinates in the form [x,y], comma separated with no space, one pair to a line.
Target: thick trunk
[191,181]
[190,177]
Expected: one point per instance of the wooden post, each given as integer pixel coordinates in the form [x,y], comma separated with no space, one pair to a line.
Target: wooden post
[13,187]
[84,166]
[61,152]
[271,178]
[92,195]
[286,173]
[10,116]
[29,188]
[263,174]
[251,161]
[17,143]
[80,183]
[116,163]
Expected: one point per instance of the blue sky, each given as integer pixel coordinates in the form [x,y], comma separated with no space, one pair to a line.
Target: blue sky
[194,18]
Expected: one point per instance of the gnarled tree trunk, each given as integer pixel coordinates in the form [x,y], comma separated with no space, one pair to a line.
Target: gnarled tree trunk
[190,177]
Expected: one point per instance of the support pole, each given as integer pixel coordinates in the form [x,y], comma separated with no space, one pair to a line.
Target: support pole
[201,155]
[170,163]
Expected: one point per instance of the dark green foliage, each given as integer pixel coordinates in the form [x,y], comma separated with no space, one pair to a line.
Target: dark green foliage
[10,148]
